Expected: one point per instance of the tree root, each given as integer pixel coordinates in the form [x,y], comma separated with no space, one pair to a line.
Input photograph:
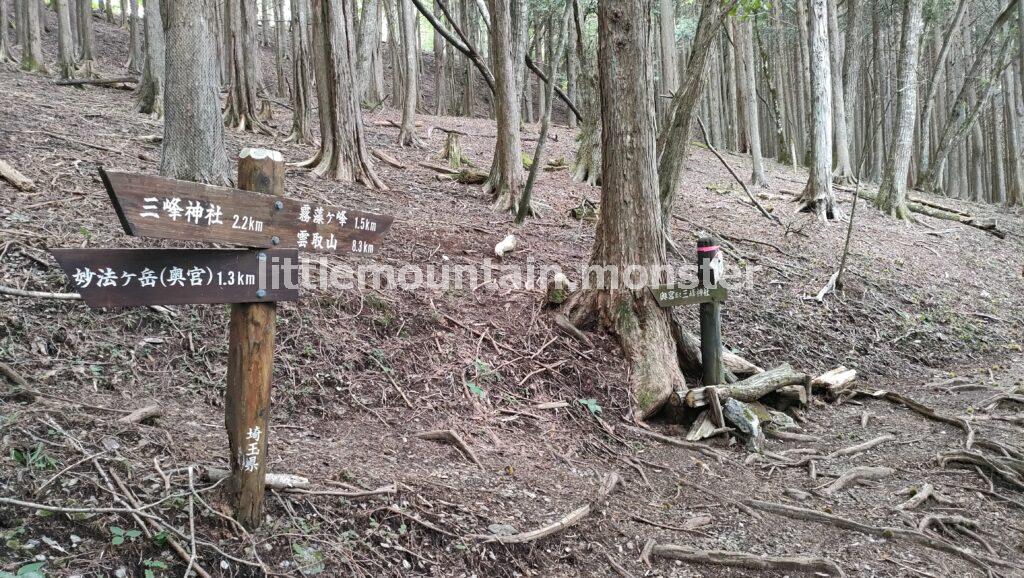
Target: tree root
[892,533]
[855,475]
[608,485]
[449,436]
[923,410]
[745,560]
[921,494]
[1011,470]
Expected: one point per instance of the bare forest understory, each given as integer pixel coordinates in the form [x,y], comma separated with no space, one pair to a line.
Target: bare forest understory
[930,311]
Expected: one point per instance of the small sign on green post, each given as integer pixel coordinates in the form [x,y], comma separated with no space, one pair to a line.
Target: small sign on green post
[673,296]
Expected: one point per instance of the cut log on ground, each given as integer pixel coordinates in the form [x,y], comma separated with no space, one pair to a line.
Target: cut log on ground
[802,564]
[751,389]
[11,175]
[835,382]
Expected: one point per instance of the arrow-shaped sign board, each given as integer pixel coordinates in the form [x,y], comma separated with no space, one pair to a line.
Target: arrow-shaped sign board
[131,277]
[162,208]
[672,296]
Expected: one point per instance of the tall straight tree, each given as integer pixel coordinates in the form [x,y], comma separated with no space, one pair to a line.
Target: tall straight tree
[629,231]
[86,37]
[841,142]
[65,42]
[506,180]
[367,48]
[669,53]
[818,197]
[892,194]
[193,147]
[301,73]
[151,84]
[31,42]
[134,39]
[410,49]
[242,110]
[5,48]
[342,155]
[746,38]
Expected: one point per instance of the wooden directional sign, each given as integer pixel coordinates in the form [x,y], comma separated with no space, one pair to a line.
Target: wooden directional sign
[130,277]
[162,208]
[672,296]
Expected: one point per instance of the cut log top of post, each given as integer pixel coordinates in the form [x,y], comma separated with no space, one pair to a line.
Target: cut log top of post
[261,154]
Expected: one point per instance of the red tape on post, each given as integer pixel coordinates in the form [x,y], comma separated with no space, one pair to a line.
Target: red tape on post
[711,249]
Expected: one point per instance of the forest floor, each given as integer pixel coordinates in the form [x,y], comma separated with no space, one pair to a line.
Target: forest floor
[931,311]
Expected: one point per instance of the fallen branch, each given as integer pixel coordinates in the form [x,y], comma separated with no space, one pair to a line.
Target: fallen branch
[860,448]
[751,389]
[388,159]
[11,175]
[887,532]
[834,381]
[39,294]
[745,560]
[142,414]
[750,196]
[97,81]
[451,437]
[608,485]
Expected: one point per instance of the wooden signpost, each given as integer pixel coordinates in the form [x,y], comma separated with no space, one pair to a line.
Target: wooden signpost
[709,295]
[253,279]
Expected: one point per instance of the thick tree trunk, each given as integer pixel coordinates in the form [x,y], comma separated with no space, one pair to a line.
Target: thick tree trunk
[151,84]
[892,194]
[587,164]
[368,44]
[572,70]
[85,40]
[757,177]
[818,197]
[410,48]
[134,39]
[193,147]
[669,60]
[342,154]
[629,231]
[1015,182]
[65,42]
[242,110]
[506,181]
[301,75]
[31,45]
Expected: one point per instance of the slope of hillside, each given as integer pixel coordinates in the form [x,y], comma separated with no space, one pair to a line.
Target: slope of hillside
[360,372]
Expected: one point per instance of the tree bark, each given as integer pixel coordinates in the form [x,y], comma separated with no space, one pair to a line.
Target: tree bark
[342,155]
[151,83]
[818,197]
[242,110]
[301,75]
[280,48]
[85,40]
[134,39]
[5,49]
[31,45]
[193,147]
[65,42]
[506,181]
[757,177]
[410,48]
[629,231]
[674,140]
[892,194]
[841,146]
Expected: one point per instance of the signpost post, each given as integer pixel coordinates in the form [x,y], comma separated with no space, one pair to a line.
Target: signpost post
[253,279]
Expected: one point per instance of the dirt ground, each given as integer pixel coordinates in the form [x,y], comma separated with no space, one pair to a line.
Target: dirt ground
[931,311]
